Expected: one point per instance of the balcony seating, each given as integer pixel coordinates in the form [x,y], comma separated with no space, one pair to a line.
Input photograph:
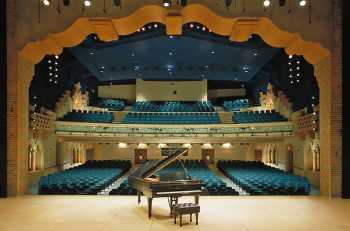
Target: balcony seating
[256,178]
[257,117]
[173,106]
[91,117]
[111,104]
[197,170]
[236,105]
[171,118]
[89,178]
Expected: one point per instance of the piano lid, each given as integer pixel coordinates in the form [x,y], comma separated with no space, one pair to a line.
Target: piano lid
[151,167]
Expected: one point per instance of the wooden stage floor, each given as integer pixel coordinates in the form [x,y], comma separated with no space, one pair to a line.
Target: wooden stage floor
[119,213]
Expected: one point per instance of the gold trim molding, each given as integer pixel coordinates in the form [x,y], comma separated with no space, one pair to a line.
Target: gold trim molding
[237,29]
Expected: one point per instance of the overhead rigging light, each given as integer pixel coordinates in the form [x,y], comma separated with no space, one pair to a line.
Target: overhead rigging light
[302,2]
[267,3]
[166,3]
[46,2]
[87,3]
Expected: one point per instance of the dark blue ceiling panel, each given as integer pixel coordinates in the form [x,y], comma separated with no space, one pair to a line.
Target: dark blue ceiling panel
[193,55]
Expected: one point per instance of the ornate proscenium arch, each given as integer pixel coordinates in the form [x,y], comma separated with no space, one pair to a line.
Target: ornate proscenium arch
[237,29]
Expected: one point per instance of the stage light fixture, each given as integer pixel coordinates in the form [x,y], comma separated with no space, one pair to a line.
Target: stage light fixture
[66,2]
[267,3]
[166,3]
[302,3]
[46,2]
[87,3]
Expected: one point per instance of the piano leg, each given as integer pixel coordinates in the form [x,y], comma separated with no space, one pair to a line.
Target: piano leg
[196,199]
[149,207]
[138,197]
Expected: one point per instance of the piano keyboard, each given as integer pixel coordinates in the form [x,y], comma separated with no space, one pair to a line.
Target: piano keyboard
[179,192]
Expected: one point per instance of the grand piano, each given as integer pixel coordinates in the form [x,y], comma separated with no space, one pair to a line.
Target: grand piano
[149,180]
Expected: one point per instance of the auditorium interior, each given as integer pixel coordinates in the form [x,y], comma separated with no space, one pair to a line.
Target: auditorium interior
[228,113]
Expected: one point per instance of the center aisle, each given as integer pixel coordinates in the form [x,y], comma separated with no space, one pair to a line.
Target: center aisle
[229,183]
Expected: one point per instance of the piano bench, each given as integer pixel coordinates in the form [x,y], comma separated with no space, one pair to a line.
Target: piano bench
[186,208]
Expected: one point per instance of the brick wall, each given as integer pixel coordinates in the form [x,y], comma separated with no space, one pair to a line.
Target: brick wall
[336,114]
[346,132]
[3,89]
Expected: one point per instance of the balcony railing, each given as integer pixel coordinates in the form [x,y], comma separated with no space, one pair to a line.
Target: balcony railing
[276,129]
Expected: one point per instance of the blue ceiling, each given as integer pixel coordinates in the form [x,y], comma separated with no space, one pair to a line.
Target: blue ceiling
[196,54]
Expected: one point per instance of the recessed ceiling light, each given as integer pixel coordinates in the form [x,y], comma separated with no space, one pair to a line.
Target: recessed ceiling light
[203,28]
[255,54]
[170,53]
[212,52]
[191,25]
[290,56]
[171,36]
[92,53]
[57,57]
[155,25]
[143,29]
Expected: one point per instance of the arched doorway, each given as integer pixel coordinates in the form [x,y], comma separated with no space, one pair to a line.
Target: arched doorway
[237,29]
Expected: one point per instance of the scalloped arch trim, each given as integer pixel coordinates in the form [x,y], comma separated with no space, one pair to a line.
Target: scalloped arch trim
[237,29]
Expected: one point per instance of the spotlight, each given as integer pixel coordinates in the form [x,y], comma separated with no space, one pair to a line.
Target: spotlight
[166,3]
[302,3]
[87,3]
[46,2]
[267,3]
[66,2]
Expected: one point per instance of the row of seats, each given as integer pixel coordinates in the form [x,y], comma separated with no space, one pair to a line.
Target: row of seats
[86,179]
[111,104]
[171,118]
[236,105]
[257,178]
[257,117]
[173,106]
[213,184]
[91,116]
